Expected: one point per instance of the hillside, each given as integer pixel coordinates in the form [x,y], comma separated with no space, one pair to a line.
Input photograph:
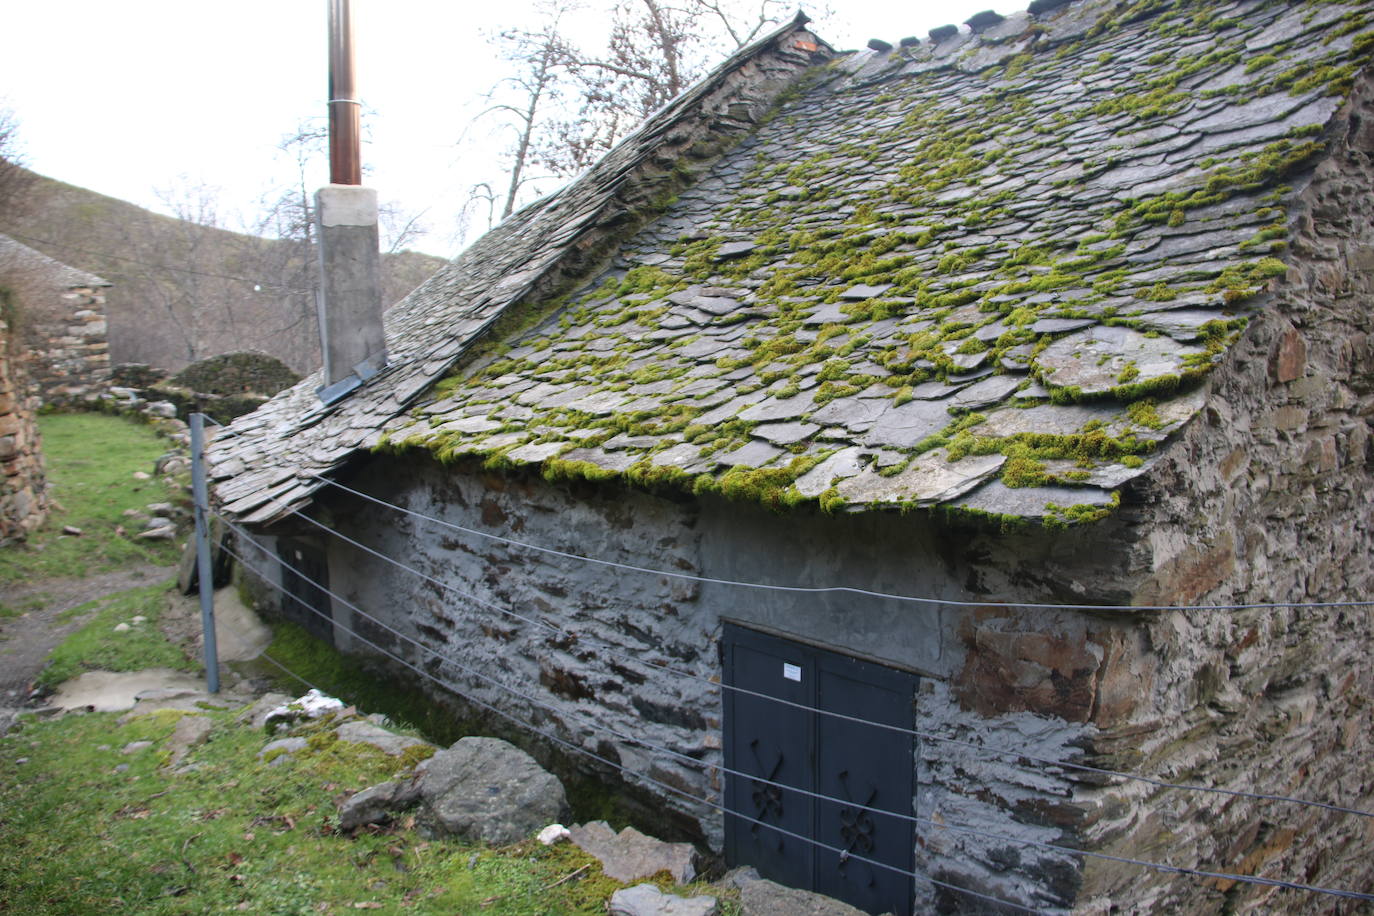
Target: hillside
[184,291]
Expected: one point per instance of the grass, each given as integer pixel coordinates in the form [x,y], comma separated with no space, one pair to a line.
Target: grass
[99,646]
[91,460]
[234,833]
[226,833]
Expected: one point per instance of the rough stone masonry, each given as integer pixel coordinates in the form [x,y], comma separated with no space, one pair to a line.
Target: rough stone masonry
[23,488]
[1093,281]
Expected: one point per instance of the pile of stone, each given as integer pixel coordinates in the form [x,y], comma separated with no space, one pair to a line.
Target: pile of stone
[485,790]
[160,521]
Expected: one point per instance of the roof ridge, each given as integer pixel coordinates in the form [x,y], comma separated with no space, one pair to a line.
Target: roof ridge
[81,277]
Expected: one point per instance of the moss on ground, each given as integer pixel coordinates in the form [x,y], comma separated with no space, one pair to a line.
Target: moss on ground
[225,832]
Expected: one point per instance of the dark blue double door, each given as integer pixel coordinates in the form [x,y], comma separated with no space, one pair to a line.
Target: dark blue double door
[785,756]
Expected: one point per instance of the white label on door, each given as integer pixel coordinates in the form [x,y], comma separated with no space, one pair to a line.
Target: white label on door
[791,672]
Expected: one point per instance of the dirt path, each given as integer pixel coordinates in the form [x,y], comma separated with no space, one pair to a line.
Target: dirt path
[25,641]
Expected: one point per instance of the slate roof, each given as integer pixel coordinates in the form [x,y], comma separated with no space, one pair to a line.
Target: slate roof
[989,270]
[18,256]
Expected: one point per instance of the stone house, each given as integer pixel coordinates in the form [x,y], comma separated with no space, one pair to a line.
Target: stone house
[1046,337]
[63,323]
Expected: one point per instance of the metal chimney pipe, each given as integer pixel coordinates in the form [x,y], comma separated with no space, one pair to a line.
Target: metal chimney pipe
[345,151]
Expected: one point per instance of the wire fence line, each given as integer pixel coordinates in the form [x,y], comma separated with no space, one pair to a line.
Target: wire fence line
[692,761]
[798,589]
[166,268]
[821,589]
[563,742]
[1009,757]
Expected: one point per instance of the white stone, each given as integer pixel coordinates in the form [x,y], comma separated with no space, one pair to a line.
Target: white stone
[311,706]
[554,833]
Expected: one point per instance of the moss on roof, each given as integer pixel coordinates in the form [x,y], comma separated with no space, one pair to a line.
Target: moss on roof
[939,274]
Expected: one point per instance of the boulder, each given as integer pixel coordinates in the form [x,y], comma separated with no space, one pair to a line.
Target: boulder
[647,900]
[360,731]
[375,804]
[189,731]
[311,706]
[632,856]
[761,897]
[283,748]
[487,790]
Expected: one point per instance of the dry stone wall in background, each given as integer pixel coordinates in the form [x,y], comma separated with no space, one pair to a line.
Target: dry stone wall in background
[23,492]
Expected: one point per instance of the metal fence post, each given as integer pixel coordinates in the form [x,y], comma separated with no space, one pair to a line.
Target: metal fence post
[201,495]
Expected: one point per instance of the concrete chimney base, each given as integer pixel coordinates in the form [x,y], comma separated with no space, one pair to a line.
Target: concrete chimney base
[350,302]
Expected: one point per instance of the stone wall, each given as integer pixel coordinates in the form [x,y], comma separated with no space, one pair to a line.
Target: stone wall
[60,318]
[1145,693]
[1266,499]
[23,490]
[1263,500]
[71,348]
[587,694]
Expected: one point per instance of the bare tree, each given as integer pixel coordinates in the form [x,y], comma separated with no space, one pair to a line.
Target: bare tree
[743,24]
[399,228]
[525,101]
[15,180]
[570,105]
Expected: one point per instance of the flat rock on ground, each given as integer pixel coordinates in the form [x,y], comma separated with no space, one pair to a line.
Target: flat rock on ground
[280,749]
[631,855]
[361,731]
[110,691]
[647,900]
[377,803]
[761,897]
[487,790]
[189,732]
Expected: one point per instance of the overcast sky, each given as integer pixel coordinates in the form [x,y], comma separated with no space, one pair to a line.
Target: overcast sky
[141,98]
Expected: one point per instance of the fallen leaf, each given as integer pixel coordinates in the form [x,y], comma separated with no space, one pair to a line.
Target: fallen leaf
[249,835]
[235,858]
